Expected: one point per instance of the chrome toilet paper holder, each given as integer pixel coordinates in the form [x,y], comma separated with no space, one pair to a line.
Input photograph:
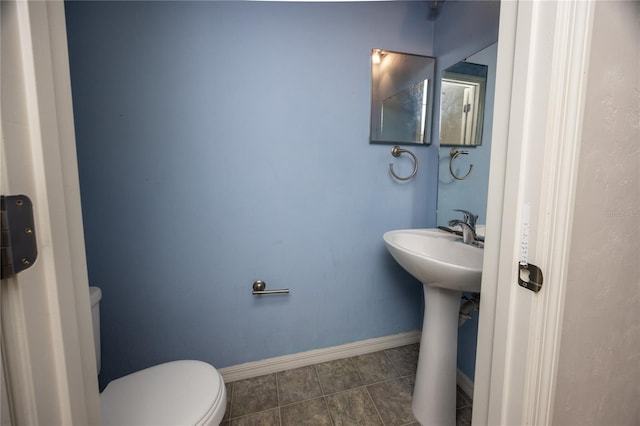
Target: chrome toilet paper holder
[260,287]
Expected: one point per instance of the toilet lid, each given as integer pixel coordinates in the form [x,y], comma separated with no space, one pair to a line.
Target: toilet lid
[175,393]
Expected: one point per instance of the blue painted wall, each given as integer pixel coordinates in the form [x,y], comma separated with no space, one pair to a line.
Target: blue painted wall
[462,29]
[224,142]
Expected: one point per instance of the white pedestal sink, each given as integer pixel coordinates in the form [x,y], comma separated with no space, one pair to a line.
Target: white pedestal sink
[446,267]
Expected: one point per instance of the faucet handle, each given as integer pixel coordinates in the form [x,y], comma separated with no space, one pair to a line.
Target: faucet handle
[469,218]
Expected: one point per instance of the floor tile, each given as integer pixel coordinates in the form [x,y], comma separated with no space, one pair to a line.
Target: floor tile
[404,359]
[462,400]
[312,412]
[374,367]
[393,401]
[253,395]
[362,390]
[298,384]
[353,407]
[338,375]
[463,416]
[263,418]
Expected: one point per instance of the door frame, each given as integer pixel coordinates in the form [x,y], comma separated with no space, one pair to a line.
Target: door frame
[48,360]
[543,54]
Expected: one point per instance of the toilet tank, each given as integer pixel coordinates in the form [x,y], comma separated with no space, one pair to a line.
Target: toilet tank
[95,295]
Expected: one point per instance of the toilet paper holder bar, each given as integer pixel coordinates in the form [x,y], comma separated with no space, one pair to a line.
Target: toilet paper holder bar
[260,287]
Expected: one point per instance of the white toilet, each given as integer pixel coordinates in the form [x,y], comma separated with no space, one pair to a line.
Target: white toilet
[175,393]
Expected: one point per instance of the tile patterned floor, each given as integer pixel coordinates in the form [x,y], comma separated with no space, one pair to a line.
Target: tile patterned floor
[372,389]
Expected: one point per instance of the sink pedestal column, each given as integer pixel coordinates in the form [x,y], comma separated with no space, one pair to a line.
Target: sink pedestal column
[434,394]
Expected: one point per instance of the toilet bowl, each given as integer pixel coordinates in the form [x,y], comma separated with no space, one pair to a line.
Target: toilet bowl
[174,393]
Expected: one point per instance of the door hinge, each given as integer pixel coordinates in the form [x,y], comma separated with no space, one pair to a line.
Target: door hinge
[18,246]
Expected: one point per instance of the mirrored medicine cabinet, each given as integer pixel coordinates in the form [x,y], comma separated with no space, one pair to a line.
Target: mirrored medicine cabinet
[462,104]
[475,74]
[401,97]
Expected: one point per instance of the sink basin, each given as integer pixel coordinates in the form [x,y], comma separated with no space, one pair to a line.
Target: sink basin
[446,267]
[437,258]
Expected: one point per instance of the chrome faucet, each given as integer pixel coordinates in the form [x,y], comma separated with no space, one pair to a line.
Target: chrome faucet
[468,233]
[468,226]
[469,218]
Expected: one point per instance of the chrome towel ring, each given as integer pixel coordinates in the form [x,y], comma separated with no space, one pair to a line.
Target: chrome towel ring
[396,151]
[454,154]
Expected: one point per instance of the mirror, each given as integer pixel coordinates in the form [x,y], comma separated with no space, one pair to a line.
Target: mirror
[462,103]
[469,193]
[401,97]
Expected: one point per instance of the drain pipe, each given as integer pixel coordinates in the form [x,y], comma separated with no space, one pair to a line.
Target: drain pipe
[467,307]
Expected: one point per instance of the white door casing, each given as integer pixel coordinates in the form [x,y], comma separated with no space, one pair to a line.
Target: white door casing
[47,339]
[543,54]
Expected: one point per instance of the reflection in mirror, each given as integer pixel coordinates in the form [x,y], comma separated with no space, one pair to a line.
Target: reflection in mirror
[471,193]
[462,102]
[401,97]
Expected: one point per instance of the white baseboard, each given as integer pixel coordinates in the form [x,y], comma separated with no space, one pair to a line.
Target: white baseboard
[302,359]
[465,384]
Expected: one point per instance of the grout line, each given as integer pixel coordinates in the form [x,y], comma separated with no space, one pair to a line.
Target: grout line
[302,400]
[315,369]
[277,389]
[355,366]
[233,387]
[324,398]
[278,398]
[375,406]
[255,413]
[393,365]
[326,404]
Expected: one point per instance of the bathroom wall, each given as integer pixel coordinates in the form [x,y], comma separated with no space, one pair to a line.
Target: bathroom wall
[598,379]
[462,29]
[224,142]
